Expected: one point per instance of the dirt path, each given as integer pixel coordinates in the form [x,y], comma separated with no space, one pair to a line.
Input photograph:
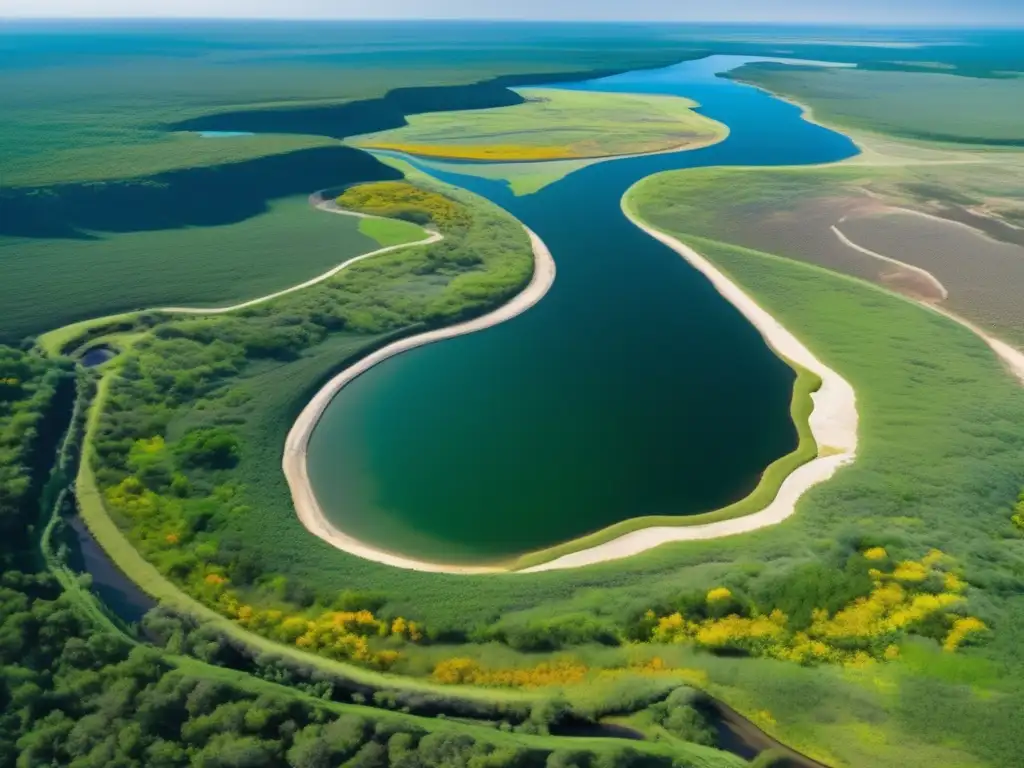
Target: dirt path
[1010,356]
[294,463]
[330,207]
[928,277]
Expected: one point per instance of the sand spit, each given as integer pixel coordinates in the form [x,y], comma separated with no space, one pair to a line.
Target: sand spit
[294,463]
[833,423]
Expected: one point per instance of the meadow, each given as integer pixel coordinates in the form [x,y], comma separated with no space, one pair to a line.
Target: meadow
[119,103]
[553,124]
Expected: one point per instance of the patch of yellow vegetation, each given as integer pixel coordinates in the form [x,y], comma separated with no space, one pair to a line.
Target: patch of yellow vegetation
[402,200]
[866,630]
[484,152]
[566,670]
[464,671]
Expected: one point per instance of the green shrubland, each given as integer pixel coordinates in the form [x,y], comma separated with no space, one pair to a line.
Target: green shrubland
[76,689]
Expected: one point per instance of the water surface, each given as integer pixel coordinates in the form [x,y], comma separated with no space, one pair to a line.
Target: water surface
[631,389]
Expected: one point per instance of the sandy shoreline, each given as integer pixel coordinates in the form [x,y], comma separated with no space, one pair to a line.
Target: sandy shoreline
[294,462]
[833,423]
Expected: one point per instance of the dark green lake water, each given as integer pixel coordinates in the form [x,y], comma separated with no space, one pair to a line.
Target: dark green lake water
[631,389]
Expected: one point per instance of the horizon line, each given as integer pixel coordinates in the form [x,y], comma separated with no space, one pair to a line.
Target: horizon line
[992,25]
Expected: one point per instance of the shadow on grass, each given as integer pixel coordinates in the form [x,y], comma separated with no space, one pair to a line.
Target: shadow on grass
[192,197]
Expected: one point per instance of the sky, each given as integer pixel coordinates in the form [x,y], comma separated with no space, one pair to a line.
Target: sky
[924,12]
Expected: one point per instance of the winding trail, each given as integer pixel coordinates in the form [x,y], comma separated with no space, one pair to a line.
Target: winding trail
[296,445]
[317,201]
[1009,355]
[928,276]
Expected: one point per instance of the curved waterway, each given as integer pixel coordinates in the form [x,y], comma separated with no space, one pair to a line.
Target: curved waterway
[633,388]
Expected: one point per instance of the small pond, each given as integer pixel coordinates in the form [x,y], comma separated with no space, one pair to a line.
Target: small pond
[97,356]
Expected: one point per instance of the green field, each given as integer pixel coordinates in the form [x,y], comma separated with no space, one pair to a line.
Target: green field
[554,125]
[914,105]
[51,281]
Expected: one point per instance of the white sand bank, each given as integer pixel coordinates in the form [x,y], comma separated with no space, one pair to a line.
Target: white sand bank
[294,463]
[833,423]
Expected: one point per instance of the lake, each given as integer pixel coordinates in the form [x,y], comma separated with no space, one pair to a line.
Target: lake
[631,389]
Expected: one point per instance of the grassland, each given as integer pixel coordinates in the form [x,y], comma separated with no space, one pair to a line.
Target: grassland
[52,281]
[554,124]
[913,105]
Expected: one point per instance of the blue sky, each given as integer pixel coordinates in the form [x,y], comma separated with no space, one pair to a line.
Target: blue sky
[974,12]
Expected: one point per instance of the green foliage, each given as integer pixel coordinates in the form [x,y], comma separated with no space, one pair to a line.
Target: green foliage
[682,715]
[550,634]
[210,448]
[170,266]
[401,200]
[29,386]
[1018,512]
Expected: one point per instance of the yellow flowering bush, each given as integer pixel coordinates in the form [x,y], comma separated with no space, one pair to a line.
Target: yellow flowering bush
[866,629]
[463,671]
[911,570]
[961,629]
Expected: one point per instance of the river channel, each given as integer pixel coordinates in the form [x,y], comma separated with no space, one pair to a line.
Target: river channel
[631,389]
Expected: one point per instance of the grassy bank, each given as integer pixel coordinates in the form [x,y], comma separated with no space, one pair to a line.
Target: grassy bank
[554,124]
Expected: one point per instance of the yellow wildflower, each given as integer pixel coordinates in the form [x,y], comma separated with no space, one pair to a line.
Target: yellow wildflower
[910,570]
[961,629]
